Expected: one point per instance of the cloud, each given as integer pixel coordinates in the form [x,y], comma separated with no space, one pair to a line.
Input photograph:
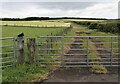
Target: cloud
[59,0]
[61,9]
[106,10]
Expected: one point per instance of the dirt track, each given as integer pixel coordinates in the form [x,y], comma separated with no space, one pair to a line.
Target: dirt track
[81,74]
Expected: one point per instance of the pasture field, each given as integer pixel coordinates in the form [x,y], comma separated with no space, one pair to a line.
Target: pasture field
[25,71]
[8,31]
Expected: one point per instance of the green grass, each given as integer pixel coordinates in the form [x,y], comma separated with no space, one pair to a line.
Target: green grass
[29,33]
[22,73]
[92,56]
[96,68]
[52,59]
[98,33]
[26,72]
[8,31]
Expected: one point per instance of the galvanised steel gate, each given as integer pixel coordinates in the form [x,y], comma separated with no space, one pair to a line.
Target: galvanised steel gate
[7,52]
[77,51]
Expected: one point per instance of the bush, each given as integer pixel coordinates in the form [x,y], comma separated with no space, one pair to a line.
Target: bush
[93,26]
[108,27]
[112,27]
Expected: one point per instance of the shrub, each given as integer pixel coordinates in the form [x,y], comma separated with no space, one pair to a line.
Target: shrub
[93,26]
[112,27]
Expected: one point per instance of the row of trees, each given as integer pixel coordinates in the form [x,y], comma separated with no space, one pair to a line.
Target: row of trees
[46,18]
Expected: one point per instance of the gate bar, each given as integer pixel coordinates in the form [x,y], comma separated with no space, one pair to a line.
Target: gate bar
[76,36]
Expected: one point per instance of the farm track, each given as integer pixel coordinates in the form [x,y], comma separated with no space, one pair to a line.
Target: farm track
[75,59]
[80,74]
[104,51]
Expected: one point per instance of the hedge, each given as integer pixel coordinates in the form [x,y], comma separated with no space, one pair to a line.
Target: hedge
[112,27]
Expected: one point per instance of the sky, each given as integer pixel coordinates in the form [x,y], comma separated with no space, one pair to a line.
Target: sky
[107,10]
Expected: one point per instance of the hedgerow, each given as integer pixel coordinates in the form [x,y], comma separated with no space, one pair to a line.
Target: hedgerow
[112,27]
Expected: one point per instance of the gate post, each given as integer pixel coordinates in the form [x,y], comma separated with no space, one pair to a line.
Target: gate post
[31,44]
[20,40]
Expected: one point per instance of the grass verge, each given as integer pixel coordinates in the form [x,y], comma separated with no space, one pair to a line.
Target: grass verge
[22,73]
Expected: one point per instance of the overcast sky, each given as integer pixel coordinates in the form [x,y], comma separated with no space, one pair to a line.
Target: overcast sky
[59,9]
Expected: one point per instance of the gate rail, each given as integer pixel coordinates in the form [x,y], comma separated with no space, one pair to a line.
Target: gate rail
[56,56]
[8,52]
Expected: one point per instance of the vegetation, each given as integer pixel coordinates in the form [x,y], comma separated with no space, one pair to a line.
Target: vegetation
[27,72]
[22,73]
[28,31]
[97,67]
[103,26]
[47,18]
[41,24]
[92,53]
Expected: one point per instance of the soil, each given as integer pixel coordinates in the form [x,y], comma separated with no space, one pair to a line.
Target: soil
[82,75]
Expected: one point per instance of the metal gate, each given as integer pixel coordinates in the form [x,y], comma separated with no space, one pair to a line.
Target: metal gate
[7,52]
[77,51]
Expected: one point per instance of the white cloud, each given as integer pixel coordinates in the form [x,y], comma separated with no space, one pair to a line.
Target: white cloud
[108,10]
[98,10]
[59,0]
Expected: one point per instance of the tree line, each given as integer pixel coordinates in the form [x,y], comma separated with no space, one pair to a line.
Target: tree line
[46,18]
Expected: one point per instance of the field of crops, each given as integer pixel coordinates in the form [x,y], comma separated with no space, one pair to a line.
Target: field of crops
[36,23]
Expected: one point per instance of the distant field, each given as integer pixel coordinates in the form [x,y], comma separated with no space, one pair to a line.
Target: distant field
[9,31]
[79,20]
[36,23]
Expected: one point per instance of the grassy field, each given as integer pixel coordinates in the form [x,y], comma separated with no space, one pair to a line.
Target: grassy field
[23,72]
[8,31]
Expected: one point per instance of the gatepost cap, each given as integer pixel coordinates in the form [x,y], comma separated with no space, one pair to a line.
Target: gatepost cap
[21,34]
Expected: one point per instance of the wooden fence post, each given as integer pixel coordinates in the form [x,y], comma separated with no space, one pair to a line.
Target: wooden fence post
[20,40]
[31,44]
